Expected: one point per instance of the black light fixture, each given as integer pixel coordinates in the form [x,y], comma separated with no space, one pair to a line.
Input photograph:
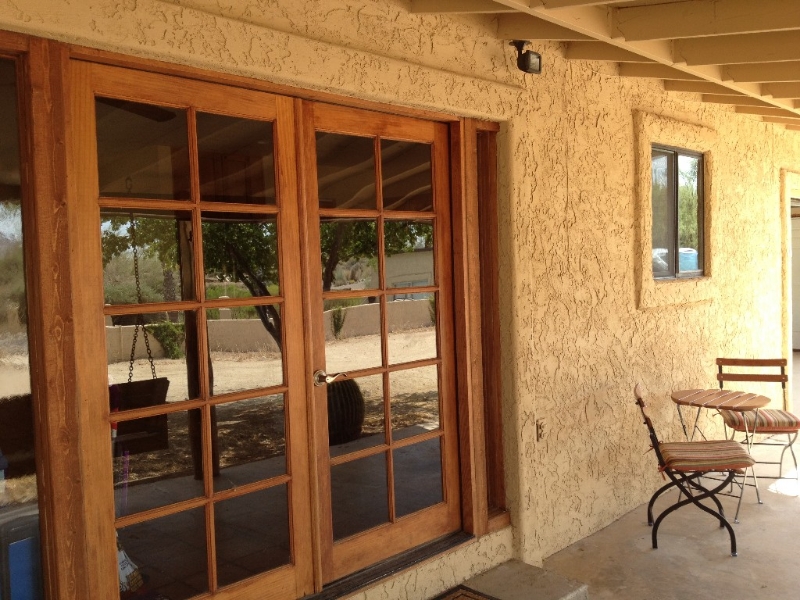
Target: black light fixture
[528,61]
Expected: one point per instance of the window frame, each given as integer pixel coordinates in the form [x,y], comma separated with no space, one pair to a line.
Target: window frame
[674,154]
[650,128]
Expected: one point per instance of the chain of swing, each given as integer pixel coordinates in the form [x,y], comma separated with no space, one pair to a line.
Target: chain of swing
[139,317]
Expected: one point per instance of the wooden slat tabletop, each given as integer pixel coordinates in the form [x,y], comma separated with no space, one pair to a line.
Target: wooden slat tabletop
[724,399]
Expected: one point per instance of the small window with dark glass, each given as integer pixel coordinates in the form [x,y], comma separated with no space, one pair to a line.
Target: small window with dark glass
[677,213]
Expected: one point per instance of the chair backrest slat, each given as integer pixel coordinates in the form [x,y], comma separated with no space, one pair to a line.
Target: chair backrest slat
[752,362]
[781,377]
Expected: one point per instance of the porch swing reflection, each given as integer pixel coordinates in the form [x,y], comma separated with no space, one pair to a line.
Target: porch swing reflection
[149,433]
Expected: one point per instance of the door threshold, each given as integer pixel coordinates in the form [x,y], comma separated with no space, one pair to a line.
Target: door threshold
[366,577]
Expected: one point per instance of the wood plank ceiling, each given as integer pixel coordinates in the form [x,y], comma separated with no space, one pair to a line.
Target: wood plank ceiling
[745,53]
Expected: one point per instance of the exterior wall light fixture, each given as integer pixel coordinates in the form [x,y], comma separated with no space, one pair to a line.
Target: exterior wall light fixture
[528,61]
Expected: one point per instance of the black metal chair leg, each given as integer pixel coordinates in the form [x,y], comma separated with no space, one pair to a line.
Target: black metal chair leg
[713,498]
[669,486]
[655,497]
[696,501]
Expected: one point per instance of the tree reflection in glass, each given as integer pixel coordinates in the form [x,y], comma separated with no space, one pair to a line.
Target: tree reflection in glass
[240,258]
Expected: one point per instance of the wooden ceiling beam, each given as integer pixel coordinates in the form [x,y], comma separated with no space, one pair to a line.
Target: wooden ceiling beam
[590,19]
[782,120]
[781,90]
[766,111]
[526,27]
[732,49]
[460,6]
[699,87]
[778,104]
[593,21]
[572,3]
[761,72]
[601,51]
[702,18]
[654,70]
[735,100]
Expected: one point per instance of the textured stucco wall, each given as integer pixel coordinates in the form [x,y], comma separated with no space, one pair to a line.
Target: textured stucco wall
[576,332]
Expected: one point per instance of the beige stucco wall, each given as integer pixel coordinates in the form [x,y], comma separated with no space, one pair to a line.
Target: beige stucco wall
[581,322]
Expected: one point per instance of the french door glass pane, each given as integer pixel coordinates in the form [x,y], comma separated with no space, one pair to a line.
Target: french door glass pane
[142,150]
[406,172]
[244,355]
[160,371]
[236,158]
[251,438]
[412,326]
[360,495]
[354,335]
[346,171]
[252,534]
[414,401]
[143,259]
[240,257]
[349,254]
[418,476]
[165,556]
[19,512]
[355,414]
[409,253]
[157,461]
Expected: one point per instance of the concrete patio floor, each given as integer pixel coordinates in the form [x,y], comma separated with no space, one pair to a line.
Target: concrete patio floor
[693,557]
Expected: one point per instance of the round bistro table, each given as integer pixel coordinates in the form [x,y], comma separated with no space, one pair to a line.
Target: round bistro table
[716,399]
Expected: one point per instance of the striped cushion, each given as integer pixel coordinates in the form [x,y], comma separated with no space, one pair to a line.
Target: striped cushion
[770,420]
[721,455]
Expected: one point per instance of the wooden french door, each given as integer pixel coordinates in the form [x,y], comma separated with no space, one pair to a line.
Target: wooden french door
[379,279]
[212,289]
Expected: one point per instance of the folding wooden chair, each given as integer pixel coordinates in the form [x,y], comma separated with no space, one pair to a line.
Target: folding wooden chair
[684,463]
[770,422]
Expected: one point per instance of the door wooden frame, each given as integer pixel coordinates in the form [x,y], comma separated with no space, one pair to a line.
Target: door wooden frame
[343,557]
[74,564]
[43,106]
[89,80]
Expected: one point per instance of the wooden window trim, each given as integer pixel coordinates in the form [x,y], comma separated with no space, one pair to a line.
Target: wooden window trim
[43,117]
[475,257]
[490,327]
[14,43]
[650,129]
